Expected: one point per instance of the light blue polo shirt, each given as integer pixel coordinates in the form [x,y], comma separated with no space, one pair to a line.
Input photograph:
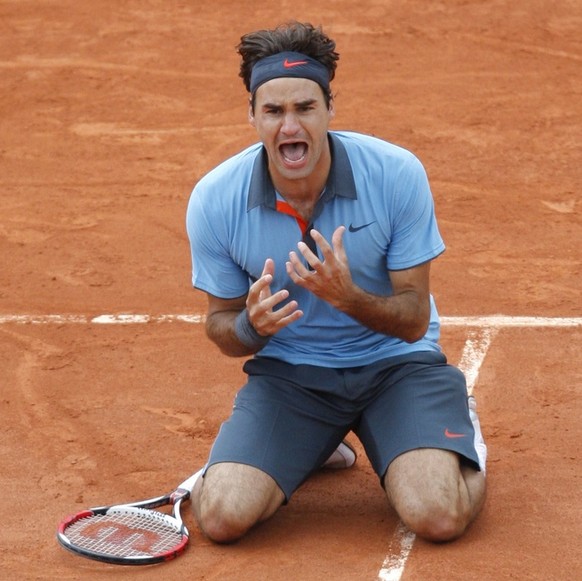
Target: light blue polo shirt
[377,190]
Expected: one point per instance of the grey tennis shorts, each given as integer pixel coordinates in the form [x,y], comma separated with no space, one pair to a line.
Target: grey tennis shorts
[288,419]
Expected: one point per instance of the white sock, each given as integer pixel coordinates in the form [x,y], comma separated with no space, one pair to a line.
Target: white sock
[479,442]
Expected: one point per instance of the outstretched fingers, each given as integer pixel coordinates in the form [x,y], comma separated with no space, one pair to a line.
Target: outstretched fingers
[262,304]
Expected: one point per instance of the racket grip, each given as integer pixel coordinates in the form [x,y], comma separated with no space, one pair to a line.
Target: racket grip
[189,483]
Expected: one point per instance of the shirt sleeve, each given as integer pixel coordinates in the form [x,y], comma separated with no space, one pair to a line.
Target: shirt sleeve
[213,269]
[415,235]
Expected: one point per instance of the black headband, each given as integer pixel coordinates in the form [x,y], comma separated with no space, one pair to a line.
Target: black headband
[289,64]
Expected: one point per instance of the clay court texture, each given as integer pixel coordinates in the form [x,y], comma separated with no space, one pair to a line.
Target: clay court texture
[110,391]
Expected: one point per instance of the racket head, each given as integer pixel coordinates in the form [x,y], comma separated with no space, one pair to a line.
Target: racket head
[124,535]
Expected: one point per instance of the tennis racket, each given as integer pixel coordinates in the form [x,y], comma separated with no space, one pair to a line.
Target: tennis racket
[130,534]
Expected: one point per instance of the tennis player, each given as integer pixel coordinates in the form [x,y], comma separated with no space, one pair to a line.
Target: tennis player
[314,249]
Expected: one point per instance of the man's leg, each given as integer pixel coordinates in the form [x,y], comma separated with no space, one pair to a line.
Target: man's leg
[238,496]
[278,434]
[232,498]
[433,493]
[420,438]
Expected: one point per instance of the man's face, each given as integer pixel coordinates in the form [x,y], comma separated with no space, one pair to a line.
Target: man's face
[292,120]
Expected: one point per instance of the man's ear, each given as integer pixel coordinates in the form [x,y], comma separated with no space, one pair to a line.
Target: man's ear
[331,110]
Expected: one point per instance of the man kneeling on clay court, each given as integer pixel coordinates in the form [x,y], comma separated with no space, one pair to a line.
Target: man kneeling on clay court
[314,249]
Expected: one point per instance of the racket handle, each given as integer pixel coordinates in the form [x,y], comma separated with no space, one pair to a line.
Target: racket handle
[189,483]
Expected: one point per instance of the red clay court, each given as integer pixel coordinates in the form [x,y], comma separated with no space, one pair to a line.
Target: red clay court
[110,392]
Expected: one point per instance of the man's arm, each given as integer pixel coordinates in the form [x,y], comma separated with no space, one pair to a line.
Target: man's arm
[220,325]
[405,314]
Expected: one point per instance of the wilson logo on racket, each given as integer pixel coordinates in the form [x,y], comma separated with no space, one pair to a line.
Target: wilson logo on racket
[120,534]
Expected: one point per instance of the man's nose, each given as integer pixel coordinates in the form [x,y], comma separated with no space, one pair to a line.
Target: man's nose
[290,124]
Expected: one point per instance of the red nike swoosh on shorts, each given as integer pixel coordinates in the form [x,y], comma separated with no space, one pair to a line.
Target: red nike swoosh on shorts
[449,434]
[290,64]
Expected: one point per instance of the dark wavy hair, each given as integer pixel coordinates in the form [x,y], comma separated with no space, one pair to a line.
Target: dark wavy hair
[292,36]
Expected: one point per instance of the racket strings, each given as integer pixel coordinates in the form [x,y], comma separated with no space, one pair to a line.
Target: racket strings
[126,533]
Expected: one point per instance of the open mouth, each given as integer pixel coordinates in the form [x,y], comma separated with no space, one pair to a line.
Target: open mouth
[293,153]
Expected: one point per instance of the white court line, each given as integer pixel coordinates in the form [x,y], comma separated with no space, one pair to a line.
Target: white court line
[472,357]
[474,352]
[508,321]
[393,565]
[111,319]
[488,321]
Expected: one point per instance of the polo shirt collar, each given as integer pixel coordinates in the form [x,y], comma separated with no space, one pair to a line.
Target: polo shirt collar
[340,181]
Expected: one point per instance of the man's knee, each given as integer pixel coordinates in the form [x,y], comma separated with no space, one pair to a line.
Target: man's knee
[221,520]
[232,499]
[435,522]
[431,495]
